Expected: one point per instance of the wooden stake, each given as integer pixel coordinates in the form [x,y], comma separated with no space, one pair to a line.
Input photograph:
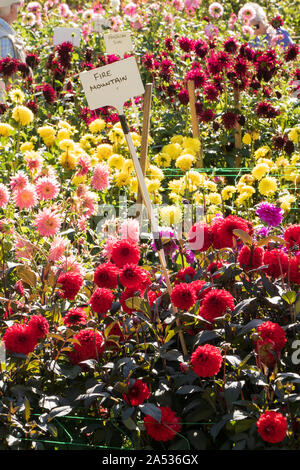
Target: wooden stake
[238,130]
[195,123]
[151,216]
[145,136]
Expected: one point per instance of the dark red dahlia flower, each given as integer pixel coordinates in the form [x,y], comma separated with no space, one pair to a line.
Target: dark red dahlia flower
[65,51]
[272,426]
[183,96]
[230,45]
[101,301]
[8,66]
[230,119]
[276,22]
[32,60]
[186,44]
[201,48]
[137,393]
[49,93]
[292,52]
[183,296]
[166,429]
[206,360]
[70,283]
[211,92]
[206,115]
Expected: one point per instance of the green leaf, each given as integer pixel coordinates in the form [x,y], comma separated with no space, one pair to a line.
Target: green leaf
[26,275]
[289,297]
[244,236]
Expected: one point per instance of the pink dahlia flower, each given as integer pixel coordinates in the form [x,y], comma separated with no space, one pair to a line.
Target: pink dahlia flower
[26,197]
[47,222]
[4,195]
[47,188]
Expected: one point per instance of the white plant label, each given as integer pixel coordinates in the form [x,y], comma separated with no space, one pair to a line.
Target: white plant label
[72,35]
[112,85]
[99,23]
[118,43]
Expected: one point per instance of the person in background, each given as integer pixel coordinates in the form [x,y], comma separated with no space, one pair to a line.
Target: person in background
[11,45]
[253,15]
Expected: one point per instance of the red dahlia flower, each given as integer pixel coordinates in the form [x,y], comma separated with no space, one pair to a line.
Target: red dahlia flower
[222,230]
[106,275]
[294,269]
[20,339]
[185,275]
[183,296]
[71,284]
[250,258]
[131,275]
[272,426]
[39,326]
[292,236]
[215,303]
[102,299]
[89,345]
[166,429]
[213,267]
[269,345]
[124,252]
[198,288]
[75,316]
[277,262]
[276,22]
[200,237]
[206,360]
[137,393]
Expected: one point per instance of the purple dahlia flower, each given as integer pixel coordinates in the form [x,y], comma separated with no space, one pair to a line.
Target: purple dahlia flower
[270,214]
